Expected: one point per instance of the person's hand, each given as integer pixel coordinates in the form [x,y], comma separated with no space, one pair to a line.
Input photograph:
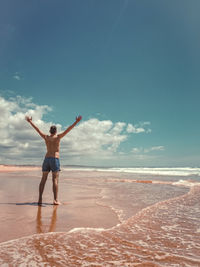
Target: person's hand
[28,118]
[78,118]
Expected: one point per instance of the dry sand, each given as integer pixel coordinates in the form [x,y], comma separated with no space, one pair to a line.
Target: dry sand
[13,168]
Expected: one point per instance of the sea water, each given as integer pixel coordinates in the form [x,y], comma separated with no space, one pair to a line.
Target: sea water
[158,211]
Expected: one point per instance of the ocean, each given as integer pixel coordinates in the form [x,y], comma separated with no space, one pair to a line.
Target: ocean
[110,217]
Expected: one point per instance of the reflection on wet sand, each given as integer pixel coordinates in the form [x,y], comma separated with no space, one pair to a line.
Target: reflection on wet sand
[40,227]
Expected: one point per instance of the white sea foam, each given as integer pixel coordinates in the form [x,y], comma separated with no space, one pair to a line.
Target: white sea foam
[149,236]
[187,171]
[163,232]
[161,171]
[85,229]
[186,183]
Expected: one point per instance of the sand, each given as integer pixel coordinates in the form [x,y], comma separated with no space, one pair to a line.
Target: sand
[106,219]
[21,216]
[14,168]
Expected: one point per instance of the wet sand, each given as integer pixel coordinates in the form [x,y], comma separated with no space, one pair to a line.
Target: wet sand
[106,219]
[21,216]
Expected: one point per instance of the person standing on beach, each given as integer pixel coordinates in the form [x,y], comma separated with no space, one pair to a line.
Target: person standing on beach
[51,161]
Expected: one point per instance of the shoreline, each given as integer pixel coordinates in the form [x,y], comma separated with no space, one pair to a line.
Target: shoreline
[161,171]
[80,205]
[13,168]
[104,218]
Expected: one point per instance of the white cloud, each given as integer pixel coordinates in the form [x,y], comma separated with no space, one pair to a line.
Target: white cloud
[155,148]
[17,76]
[94,138]
[138,128]
[92,141]
[136,150]
[142,150]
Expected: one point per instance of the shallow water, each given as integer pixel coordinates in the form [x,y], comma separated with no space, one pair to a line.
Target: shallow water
[112,218]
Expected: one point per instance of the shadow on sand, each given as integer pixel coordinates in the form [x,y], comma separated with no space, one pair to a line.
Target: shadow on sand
[28,204]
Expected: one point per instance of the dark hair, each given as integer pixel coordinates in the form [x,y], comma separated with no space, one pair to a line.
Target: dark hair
[53,129]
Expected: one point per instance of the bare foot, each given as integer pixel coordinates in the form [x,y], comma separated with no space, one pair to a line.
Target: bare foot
[56,202]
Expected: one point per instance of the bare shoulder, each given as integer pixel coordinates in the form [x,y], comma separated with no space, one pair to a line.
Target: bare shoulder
[59,136]
[52,138]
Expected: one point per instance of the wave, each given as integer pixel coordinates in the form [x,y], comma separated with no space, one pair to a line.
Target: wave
[187,171]
[160,235]
[186,183]
[161,171]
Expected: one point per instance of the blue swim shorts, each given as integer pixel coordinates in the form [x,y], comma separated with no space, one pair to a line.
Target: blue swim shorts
[51,164]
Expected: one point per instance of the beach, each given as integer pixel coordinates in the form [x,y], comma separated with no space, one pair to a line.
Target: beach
[107,217]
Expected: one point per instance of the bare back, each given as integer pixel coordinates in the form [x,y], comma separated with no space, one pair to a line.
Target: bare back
[53,145]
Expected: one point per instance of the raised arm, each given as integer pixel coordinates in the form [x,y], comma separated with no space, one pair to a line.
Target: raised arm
[29,119]
[61,135]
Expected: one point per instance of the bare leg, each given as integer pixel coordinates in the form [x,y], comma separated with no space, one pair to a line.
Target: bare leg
[55,176]
[41,186]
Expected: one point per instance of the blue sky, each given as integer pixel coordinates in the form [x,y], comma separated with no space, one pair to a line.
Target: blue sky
[133,62]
